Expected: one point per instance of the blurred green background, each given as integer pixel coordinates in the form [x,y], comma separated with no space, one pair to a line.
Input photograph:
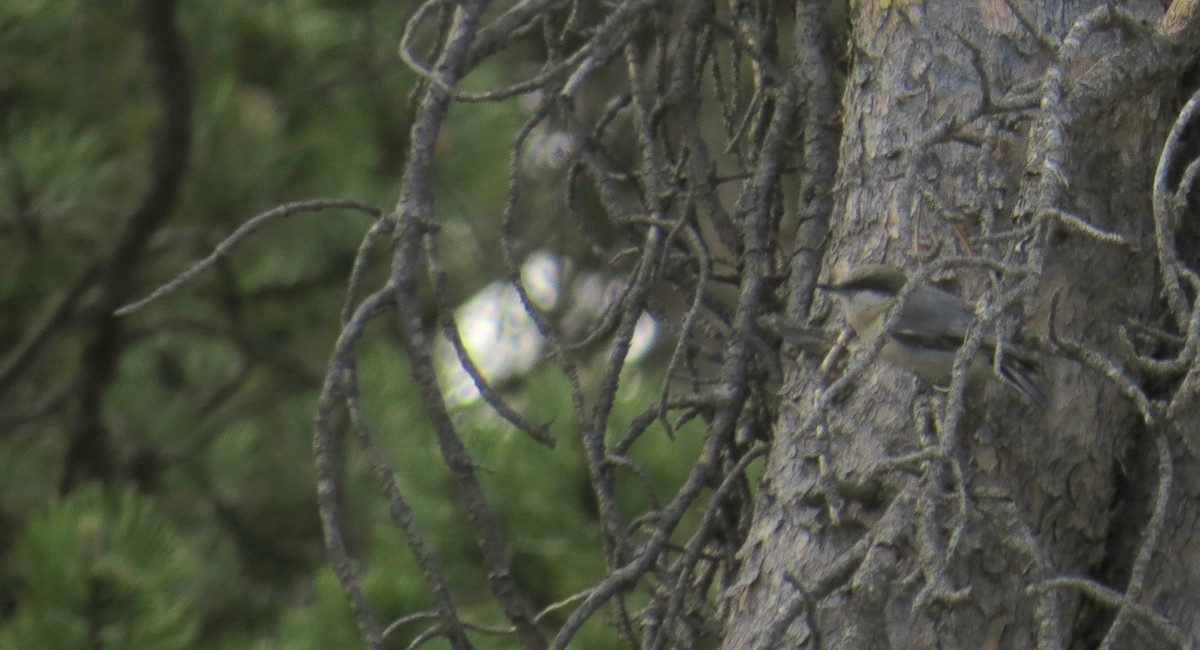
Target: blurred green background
[207,536]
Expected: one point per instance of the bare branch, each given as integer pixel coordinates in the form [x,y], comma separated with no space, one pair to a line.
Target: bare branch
[245,230]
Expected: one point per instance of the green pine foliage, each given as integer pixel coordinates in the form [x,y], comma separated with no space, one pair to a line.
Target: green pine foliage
[209,537]
[103,570]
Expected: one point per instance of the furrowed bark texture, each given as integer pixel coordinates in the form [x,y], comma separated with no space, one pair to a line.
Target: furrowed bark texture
[888,517]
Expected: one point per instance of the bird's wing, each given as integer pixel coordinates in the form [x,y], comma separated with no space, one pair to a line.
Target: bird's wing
[922,339]
[950,324]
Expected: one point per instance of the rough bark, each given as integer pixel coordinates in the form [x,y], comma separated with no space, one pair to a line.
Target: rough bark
[890,517]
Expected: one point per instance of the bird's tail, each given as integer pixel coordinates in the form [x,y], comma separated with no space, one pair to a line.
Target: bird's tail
[1016,375]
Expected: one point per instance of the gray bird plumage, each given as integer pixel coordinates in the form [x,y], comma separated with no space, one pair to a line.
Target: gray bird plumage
[928,331]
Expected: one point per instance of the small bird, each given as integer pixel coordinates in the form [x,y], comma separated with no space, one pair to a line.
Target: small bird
[928,331]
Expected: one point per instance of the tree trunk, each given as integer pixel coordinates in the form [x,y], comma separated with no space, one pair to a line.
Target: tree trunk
[894,516]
